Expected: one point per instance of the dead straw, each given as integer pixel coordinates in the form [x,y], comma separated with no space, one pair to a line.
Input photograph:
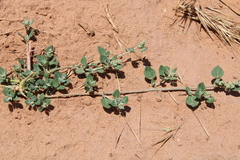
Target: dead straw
[226,29]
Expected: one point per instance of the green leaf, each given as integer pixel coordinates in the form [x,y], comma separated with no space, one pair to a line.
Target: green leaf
[144,49]
[103,52]
[21,61]
[141,45]
[104,59]
[100,70]
[237,88]
[49,51]
[28,102]
[149,73]
[36,68]
[118,67]
[6,99]
[105,103]
[3,72]
[80,71]
[201,88]
[61,87]
[131,50]
[31,33]
[54,83]
[217,72]
[192,101]
[60,77]
[89,78]
[113,103]
[116,94]
[210,99]
[174,70]
[125,99]
[41,109]
[84,61]
[3,75]
[152,82]
[163,70]
[114,58]
[188,89]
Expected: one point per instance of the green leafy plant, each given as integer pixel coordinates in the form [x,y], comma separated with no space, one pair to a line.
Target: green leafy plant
[39,84]
[117,101]
[44,79]
[165,74]
[194,98]
[217,73]
[29,30]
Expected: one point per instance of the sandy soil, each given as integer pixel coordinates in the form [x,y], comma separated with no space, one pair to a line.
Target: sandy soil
[79,127]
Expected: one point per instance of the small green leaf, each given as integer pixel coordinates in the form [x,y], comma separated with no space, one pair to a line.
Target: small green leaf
[118,67]
[103,52]
[84,61]
[192,101]
[31,33]
[100,70]
[144,49]
[174,70]
[164,71]
[149,73]
[80,71]
[188,89]
[153,82]
[201,88]
[49,51]
[210,99]
[141,45]
[114,58]
[131,50]
[125,99]
[114,103]
[61,87]
[104,59]
[6,99]
[237,88]
[105,103]
[116,94]
[217,72]
[28,102]
[41,109]
[198,94]
[21,61]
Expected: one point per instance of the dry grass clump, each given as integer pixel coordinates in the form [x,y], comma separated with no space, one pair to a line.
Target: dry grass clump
[226,29]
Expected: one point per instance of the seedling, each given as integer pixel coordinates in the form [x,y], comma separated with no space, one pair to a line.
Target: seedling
[29,30]
[117,101]
[217,73]
[194,98]
[165,74]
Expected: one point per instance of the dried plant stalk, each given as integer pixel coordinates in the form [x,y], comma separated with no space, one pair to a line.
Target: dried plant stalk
[213,20]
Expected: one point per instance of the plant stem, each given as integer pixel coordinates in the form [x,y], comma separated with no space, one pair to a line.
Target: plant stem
[123,93]
[123,54]
[4,86]
[28,52]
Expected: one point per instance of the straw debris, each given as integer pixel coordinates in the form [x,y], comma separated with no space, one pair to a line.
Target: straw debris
[212,21]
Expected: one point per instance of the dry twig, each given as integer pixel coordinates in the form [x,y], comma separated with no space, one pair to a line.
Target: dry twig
[226,29]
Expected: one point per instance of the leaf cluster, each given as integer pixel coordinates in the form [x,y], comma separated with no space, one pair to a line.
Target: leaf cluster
[194,98]
[217,73]
[90,69]
[117,101]
[44,79]
[29,30]
[165,74]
